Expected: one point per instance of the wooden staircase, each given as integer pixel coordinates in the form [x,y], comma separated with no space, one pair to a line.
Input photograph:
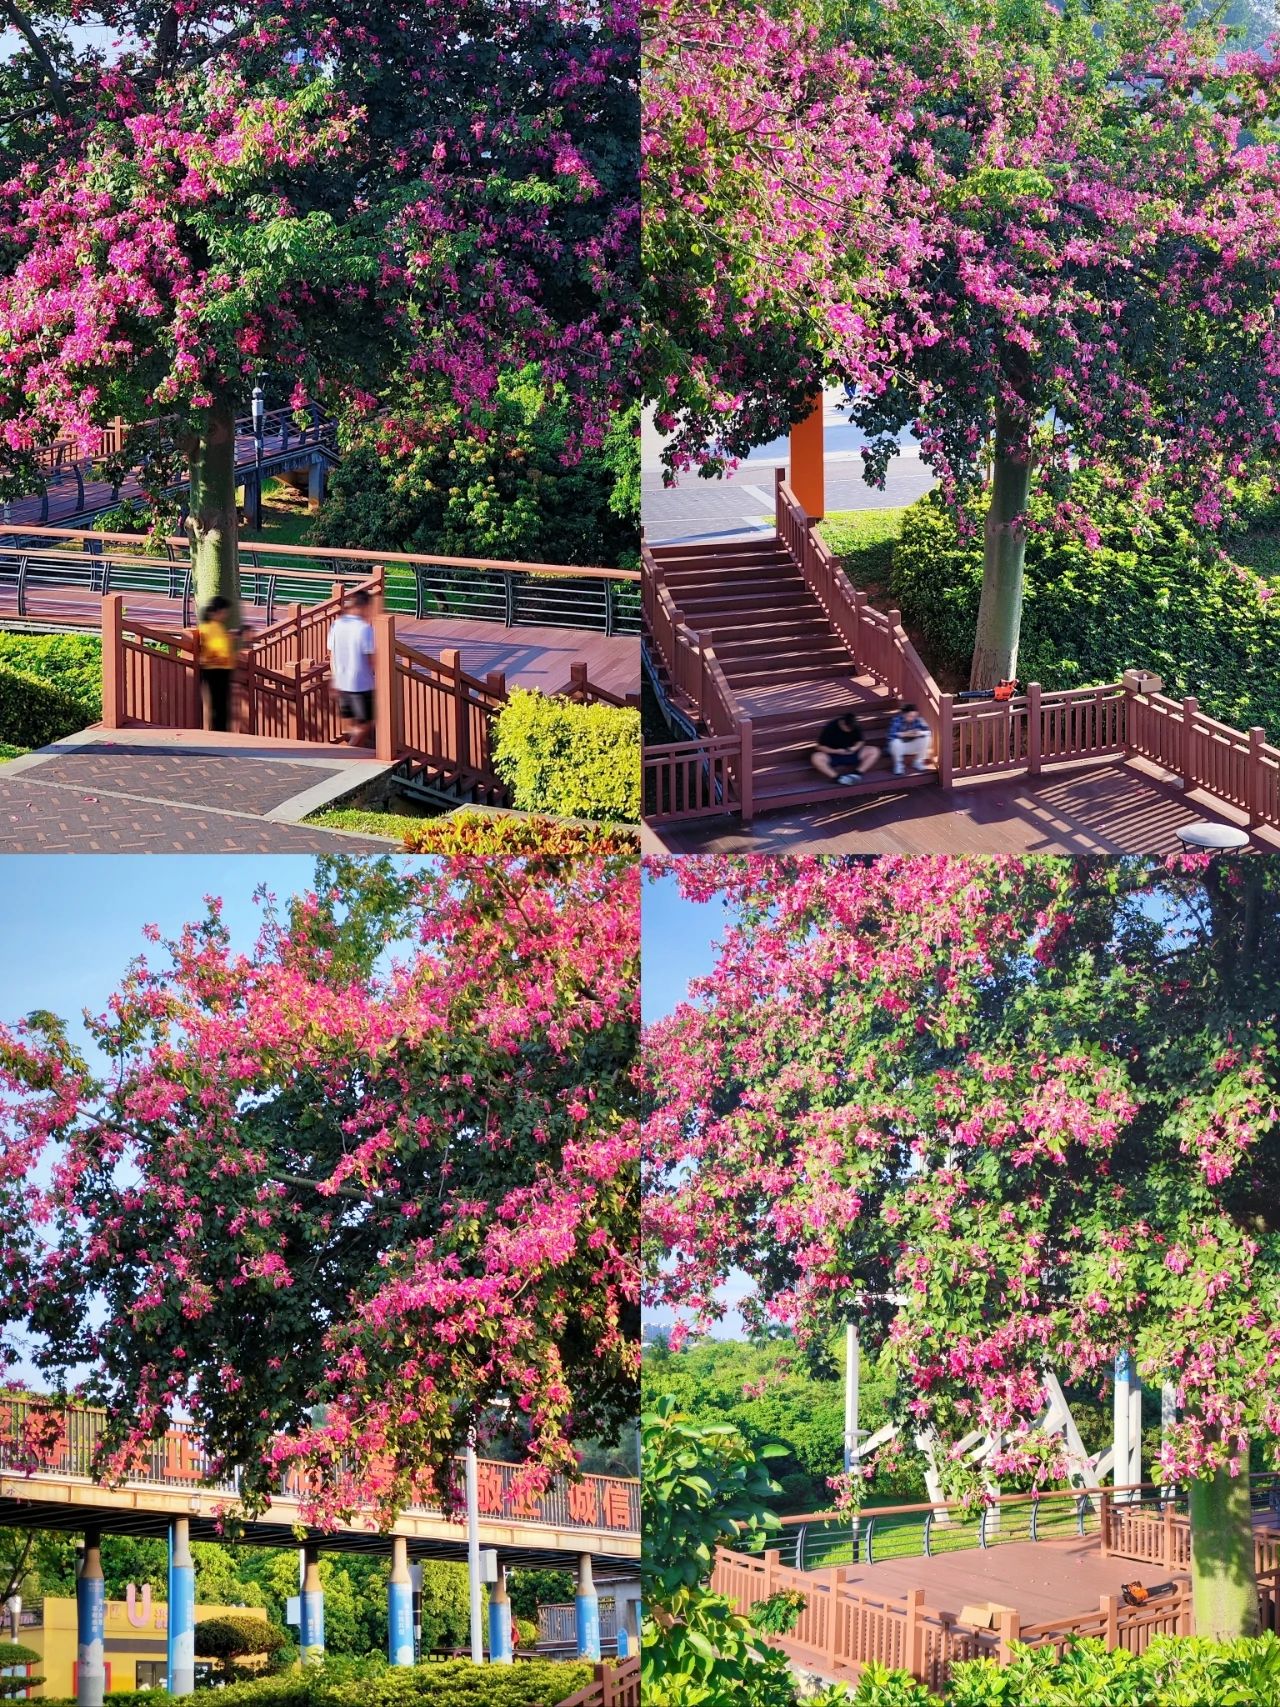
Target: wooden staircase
[788,668]
[420,779]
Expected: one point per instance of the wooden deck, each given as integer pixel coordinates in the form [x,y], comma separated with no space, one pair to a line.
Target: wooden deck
[1115,806]
[531,657]
[1043,1580]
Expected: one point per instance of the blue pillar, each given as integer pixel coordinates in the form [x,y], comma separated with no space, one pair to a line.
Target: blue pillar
[182,1609]
[91,1626]
[311,1609]
[587,1606]
[400,1605]
[500,1621]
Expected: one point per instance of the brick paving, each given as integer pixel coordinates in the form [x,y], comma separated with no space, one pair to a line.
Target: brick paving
[128,797]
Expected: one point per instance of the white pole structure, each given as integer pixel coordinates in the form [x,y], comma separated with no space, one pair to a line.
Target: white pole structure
[850,1394]
[1168,1417]
[1126,1465]
[473,1552]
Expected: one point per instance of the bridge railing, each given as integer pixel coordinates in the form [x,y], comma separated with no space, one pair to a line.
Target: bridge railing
[36,1441]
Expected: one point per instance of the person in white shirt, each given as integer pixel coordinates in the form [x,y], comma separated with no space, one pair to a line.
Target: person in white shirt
[351,660]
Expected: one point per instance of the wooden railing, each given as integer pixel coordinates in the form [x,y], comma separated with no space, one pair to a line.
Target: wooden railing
[875,639]
[712,774]
[1026,734]
[43,568]
[842,1627]
[39,1441]
[612,1686]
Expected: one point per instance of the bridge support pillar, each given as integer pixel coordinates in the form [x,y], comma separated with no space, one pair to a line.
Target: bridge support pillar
[317,483]
[311,1608]
[587,1608]
[182,1610]
[400,1605]
[500,1652]
[91,1625]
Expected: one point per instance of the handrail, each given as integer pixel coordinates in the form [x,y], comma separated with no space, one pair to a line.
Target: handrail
[345,554]
[612,1686]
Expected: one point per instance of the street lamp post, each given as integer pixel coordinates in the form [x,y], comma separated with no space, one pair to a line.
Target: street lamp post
[258,408]
[473,1550]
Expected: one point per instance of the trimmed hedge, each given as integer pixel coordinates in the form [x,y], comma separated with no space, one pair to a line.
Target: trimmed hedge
[451,1683]
[33,712]
[1151,594]
[70,662]
[575,761]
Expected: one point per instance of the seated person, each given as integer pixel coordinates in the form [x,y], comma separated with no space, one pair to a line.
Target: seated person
[909,738]
[841,752]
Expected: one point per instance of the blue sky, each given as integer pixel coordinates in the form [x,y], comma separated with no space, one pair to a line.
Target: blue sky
[71,923]
[678,943]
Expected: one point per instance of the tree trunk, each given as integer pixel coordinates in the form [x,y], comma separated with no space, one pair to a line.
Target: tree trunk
[995,647]
[1224,1585]
[211,523]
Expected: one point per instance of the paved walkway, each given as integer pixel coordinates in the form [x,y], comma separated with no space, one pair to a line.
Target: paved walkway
[181,791]
[1117,807]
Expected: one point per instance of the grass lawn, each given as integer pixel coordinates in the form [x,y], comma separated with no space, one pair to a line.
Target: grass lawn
[863,540]
[389,824]
[286,520]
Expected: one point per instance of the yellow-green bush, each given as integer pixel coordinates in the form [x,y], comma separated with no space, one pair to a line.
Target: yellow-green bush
[576,761]
[35,712]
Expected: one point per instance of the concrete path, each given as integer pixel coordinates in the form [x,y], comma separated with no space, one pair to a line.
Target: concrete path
[180,791]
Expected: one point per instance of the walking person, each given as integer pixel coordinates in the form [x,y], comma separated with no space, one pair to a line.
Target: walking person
[351,649]
[216,657]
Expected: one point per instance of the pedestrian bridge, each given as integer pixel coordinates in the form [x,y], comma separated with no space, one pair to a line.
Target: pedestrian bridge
[46,1482]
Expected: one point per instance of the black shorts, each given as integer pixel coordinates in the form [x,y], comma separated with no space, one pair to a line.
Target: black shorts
[357,707]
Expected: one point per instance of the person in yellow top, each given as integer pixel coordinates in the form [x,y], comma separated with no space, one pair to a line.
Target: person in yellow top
[217,657]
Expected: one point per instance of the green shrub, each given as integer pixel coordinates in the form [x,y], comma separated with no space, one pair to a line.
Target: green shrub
[509,493]
[577,761]
[1150,594]
[452,1683]
[1174,1672]
[237,1636]
[485,833]
[15,1654]
[71,662]
[33,713]
[527,1632]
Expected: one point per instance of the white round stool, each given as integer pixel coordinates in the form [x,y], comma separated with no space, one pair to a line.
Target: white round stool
[1220,837]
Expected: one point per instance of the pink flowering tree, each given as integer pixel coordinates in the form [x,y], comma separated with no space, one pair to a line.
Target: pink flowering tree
[1015,1115]
[347,1196]
[1068,263]
[346,201]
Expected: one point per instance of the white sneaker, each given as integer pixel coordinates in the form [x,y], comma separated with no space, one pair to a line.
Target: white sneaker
[897,770]
[847,778]
[919,769]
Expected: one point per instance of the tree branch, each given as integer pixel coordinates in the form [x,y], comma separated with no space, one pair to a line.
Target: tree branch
[22,23]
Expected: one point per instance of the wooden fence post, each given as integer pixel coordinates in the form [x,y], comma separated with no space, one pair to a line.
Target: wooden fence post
[772,1562]
[451,658]
[1009,1627]
[1190,707]
[113,661]
[1035,742]
[496,682]
[1255,781]
[386,689]
[913,1655]
[1107,1606]
[578,688]
[859,604]
[1104,1521]
[895,651]
[746,765]
[1166,1558]
[946,740]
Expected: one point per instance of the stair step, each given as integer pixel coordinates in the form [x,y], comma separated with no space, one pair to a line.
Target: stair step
[773,791]
[730,642]
[709,550]
[813,669]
